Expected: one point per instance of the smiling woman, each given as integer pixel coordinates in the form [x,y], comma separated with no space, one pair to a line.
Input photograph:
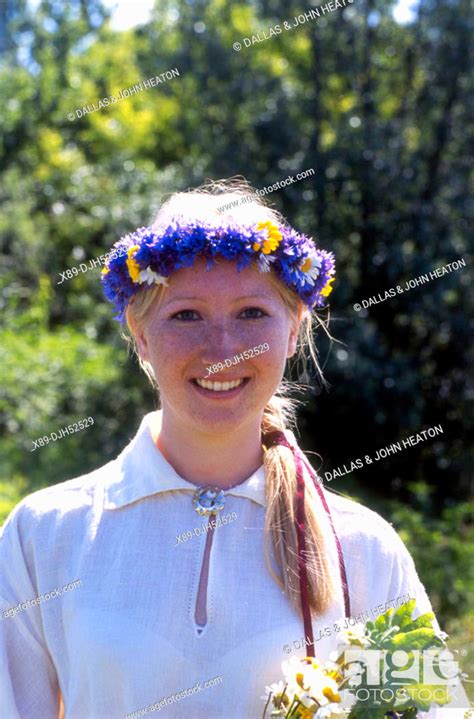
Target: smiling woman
[218,308]
[155,616]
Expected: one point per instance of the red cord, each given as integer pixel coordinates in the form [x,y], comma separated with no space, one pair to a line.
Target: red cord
[279,438]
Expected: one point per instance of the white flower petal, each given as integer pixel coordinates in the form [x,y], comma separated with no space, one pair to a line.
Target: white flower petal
[264,262]
[331,711]
[151,278]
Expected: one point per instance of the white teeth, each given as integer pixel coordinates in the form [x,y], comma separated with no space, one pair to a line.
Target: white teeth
[219,386]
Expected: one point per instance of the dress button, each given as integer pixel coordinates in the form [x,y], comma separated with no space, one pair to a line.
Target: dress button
[208,500]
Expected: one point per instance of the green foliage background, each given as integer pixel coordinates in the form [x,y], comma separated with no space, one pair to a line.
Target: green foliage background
[379,110]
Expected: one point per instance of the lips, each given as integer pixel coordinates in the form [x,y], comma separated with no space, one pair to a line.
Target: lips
[219,386]
[220,389]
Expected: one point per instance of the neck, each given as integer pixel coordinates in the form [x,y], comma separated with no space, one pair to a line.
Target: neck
[222,460]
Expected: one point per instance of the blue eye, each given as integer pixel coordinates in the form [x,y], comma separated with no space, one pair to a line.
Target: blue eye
[253,311]
[185,316]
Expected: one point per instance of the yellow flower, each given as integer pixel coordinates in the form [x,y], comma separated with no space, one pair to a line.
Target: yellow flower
[335,674]
[299,679]
[274,237]
[305,713]
[133,267]
[333,696]
[312,662]
[105,271]
[327,289]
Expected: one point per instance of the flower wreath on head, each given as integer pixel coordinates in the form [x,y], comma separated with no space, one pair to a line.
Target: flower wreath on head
[148,257]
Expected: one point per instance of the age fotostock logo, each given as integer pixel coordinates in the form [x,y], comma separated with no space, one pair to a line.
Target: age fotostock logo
[375,673]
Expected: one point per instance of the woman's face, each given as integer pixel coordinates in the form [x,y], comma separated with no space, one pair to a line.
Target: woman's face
[206,317]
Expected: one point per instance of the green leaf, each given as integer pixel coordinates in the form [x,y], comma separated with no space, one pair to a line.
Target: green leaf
[424,620]
[382,622]
[402,615]
[423,702]
[416,639]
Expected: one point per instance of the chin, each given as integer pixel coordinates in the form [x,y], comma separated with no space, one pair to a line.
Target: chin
[217,421]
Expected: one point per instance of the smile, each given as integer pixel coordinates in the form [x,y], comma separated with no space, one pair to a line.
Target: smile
[219,386]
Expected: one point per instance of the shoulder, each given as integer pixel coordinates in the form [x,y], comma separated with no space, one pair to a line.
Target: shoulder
[352,511]
[80,499]
[360,527]
[64,513]
[58,505]
[380,567]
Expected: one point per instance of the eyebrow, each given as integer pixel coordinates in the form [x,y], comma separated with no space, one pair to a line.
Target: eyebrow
[181,298]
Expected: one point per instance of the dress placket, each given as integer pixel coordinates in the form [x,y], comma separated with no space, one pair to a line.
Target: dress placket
[200,607]
[207,501]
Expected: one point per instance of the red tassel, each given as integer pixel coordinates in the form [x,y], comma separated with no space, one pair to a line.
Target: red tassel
[342,566]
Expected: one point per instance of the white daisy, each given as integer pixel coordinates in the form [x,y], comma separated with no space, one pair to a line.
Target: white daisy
[322,685]
[151,277]
[275,688]
[264,262]
[356,635]
[331,711]
[311,267]
[291,667]
[314,683]
[306,699]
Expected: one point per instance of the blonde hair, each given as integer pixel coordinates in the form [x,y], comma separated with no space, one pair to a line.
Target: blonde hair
[224,201]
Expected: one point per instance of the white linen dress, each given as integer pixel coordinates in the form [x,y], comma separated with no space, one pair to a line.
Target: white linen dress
[120,637]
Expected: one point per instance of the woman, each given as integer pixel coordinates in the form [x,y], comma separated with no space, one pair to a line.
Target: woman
[207,548]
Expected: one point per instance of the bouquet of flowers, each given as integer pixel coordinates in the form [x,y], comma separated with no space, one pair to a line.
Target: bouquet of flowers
[310,689]
[393,644]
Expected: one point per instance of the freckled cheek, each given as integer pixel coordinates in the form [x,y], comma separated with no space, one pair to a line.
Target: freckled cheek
[168,349]
[271,367]
[171,352]
[247,337]
[277,340]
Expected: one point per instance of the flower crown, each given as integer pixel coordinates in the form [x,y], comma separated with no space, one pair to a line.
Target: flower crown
[147,257]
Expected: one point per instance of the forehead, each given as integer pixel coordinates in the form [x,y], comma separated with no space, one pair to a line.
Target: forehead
[223,280]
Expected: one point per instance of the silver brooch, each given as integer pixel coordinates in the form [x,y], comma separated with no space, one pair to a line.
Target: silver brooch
[208,500]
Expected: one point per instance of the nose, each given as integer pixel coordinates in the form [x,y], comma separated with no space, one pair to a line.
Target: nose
[220,343]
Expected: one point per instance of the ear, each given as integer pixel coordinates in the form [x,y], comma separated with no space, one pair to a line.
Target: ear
[295,328]
[140,339]
[142,345]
